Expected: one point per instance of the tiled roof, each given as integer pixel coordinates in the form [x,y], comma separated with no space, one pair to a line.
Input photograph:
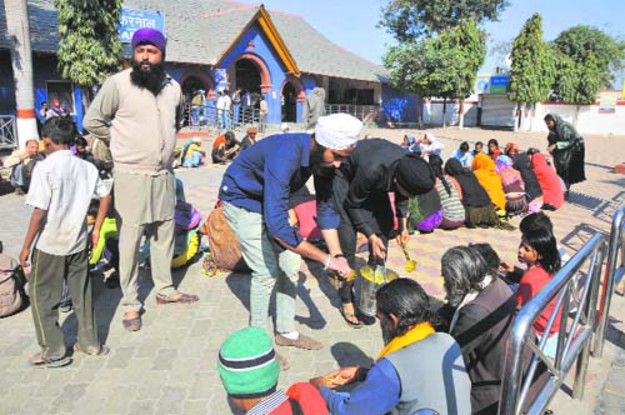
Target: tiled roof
[201,31]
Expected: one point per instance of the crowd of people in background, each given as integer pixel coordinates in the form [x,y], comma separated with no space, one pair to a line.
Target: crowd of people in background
[370,187]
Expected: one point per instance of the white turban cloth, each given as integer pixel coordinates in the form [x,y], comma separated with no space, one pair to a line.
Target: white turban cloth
[338,131]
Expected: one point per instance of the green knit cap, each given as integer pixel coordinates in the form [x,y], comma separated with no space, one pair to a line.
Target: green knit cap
[247,364]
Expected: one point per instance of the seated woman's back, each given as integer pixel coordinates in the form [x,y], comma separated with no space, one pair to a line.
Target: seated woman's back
[484,170]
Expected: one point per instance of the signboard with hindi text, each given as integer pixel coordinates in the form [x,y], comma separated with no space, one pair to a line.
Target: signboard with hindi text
[132,20]
[499,84]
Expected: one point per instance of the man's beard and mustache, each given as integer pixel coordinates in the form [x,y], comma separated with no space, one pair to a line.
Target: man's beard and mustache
[151,79]
[388,329]
[316,163]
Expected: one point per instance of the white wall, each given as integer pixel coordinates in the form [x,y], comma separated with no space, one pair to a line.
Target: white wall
[433,113]
[586,119]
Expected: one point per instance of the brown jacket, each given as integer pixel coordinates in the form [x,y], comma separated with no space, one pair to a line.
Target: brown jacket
[139,128]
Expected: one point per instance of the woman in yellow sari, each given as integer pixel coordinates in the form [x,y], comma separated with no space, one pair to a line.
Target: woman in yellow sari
[484,170]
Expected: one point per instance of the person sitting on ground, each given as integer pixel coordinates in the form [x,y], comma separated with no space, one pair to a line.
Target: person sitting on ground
[418,368]
[410,143]
[485,308]
[225,148]
[539,251]
[484,170]
[249,372]
[450,196]
[284,128]
[478,149]
[477,204]
[511,150]
[426,211]
[60,193]
[533,192]
[464,156]
[194,154]
[513,186]
[493,149]
[553,195]
[81,149]
[430,145]
[108,243]
[22,162]
[249,139]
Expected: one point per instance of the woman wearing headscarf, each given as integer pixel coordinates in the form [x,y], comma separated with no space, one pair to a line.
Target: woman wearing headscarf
[484,170]
[553,196]
[567,148]
[478,206]
[533,192]
[410,144]
[430,145]
[449,195]
[513,185]
[493,149]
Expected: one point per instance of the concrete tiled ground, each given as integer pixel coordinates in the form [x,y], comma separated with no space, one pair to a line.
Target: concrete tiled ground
[169,366]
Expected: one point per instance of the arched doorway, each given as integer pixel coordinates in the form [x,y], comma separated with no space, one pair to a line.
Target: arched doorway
[198,90]
[289,103]
[251,77]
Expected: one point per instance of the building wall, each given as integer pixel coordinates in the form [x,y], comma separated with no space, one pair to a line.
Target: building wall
[433,113]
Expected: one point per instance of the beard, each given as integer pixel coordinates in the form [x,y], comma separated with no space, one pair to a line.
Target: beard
[388,330]
[151,79]
[316,163]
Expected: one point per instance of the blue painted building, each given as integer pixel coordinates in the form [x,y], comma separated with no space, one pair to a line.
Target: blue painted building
[216,45]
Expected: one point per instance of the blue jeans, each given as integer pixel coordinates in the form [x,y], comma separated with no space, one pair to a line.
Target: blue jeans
[237,114]
[270,264]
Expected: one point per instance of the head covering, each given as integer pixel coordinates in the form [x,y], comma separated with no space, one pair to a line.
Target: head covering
[247,364]
[522,163]
[252,131]
[414,174]
[151,36]
[56,102]
[410,139]
[549,181]
[338,131]
[511,149]
[197,139]
[284,127]
[436,162]
[484,170]
[473,194]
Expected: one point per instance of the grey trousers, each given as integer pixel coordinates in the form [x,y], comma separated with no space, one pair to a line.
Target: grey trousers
[271,266]
[46,290]
[161,237]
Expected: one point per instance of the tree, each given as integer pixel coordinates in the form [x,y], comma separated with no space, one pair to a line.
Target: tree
[412,19]
[18,30]
[579,42]
[532,72]
[89,45]
[575,83]
[444,66]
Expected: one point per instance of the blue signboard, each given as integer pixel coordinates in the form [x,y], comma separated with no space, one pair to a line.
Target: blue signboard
[499,84]
[132,20]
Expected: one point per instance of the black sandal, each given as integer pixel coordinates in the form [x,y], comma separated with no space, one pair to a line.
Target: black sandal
[348,318]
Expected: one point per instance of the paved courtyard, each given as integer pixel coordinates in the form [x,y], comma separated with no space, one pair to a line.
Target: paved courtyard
[169,367]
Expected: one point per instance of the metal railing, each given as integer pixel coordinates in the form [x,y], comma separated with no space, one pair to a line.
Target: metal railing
[365,113]
[614,274]
[8,132]
[574,338]
[207,116]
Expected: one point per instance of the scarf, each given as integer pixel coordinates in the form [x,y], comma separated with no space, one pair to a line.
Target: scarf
[414,335]
[469,297]
[484,170]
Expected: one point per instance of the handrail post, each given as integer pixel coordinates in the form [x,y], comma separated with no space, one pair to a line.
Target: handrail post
[610,271]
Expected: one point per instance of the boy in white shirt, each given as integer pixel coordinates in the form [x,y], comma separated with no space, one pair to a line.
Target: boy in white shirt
[60,192]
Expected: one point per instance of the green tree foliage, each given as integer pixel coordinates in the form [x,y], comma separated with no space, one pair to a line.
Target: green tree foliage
[581,42]
[412,19]
[532,72]
[89,45]
[576,83]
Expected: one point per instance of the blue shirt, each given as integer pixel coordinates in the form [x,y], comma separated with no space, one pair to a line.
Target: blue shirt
[466,159]
[377,395]
[262,178]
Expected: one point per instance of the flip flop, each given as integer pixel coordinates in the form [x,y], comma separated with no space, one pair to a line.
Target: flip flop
[37,361]
[104,350]
[348,316]
[183,299]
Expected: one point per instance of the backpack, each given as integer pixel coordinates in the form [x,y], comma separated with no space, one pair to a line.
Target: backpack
[224,245]
[12,282]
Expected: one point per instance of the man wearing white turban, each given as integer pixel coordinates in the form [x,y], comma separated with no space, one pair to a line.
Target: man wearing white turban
[255,193]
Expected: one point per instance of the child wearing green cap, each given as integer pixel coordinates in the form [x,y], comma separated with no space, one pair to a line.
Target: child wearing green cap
[249,371]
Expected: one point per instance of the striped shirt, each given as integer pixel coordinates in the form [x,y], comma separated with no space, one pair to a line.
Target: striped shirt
[269,404]
[453,210]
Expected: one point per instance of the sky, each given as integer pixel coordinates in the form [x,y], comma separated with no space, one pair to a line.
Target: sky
[352,23]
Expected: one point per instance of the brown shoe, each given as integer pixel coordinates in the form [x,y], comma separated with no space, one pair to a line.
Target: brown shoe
[179,298]
[302,342]
[132,324]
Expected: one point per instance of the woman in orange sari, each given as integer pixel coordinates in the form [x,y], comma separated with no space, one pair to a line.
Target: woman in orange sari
[484,170]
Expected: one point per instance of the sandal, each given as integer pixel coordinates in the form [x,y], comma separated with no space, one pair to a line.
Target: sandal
[182,299]
[104,350]
[350,317]
[37,360]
